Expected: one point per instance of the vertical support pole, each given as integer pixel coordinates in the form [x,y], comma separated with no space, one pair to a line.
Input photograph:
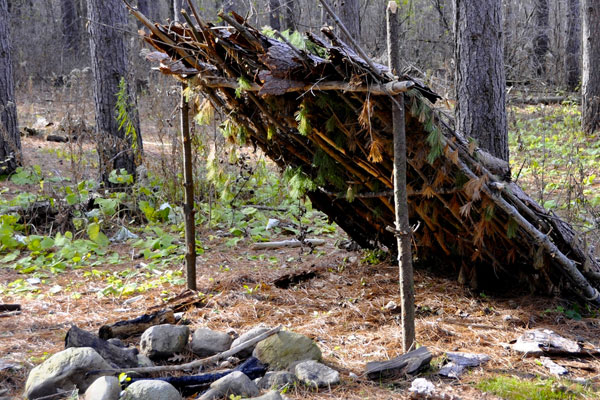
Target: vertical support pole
[403,230]
[188,183]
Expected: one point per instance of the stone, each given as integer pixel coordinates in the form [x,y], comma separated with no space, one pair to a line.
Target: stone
[211,394]
[251,334]
[282,350]
[277,380]
[164,340]
[150,390]
[554,368]
[236,383]
[206,342]
[460,361]
[144,361]
[65,371]
[421,387]
[104,388]
[315,374]
[272,395]
[541,341]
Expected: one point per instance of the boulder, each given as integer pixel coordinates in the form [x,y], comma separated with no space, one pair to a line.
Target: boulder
[64,371]
[144,361]
[236,383]
[206,342]
[277,380]
[150,390]
[104,388]
[164,340]
[251,334]
[315,374]
[282,350]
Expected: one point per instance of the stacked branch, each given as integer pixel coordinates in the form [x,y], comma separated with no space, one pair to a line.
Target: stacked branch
[325,114]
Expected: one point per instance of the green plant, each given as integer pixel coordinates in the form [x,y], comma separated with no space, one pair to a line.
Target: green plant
[512,388]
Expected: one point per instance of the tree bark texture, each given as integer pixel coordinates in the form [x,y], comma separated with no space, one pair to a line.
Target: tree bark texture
[591,66]
[178,5]
[108,19]
[573,45]
[188,183]
[349,13]
[541,41]
[149,8]
[290,14]
[10,141]
[480,80]
[70,26]
[403,230]
[274,12]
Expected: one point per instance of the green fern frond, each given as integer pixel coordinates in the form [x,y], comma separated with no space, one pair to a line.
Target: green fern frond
[243,84]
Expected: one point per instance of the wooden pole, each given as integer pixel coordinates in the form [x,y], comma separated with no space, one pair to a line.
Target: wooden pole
[403,230]
[188,183]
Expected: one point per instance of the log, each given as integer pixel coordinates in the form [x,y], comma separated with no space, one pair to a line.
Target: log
[119,356]
[57,138]
[10,307]
[287,243]
[191,384]
[409,363]
[136,326]
[287,280]
[543,100]
[194,364]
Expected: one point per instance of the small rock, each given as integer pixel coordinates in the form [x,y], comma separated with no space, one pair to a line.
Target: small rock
[144,361]
[251,334]
[236,383]
[554,368]
[64,370]
[390,306]
[206,342]
[353,376]
[277,380]
[103,388]
[211,394]
[164,340]
[272,395]
[117,342]
[315,374]
[421,387]
[150,390]
[285,348]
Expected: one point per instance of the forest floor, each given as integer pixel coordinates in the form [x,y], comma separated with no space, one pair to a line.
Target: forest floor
[343,308]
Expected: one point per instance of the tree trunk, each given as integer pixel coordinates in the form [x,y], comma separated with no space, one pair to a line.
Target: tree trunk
[149,9]
[541,42]
[591,66]
[480,81]
[70,26]
[349,13]
[10,141]
[403,230]
[116,147]
[178,5]
[290,14]
[274,12]
[573,46]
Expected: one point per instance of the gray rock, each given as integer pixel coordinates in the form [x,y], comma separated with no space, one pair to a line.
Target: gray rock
[285,348]
[117,342]
[104,388]
[540,341]
[164,340]
[272,395]
[236,383]
[251,334]
[277,380]
[554,368]
[315,374]
[64,370]
[150,390]
[206,342]
[144,361]
[211,394]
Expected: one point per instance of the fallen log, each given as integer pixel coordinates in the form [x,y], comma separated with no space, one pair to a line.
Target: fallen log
[136,326]
[119,356]
[10,307]
[409,363]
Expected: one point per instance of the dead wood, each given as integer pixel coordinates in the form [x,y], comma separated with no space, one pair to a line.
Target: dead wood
[136,326]
[408,363]
[10,307]
[287,243]
[471,215]
[119,356]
